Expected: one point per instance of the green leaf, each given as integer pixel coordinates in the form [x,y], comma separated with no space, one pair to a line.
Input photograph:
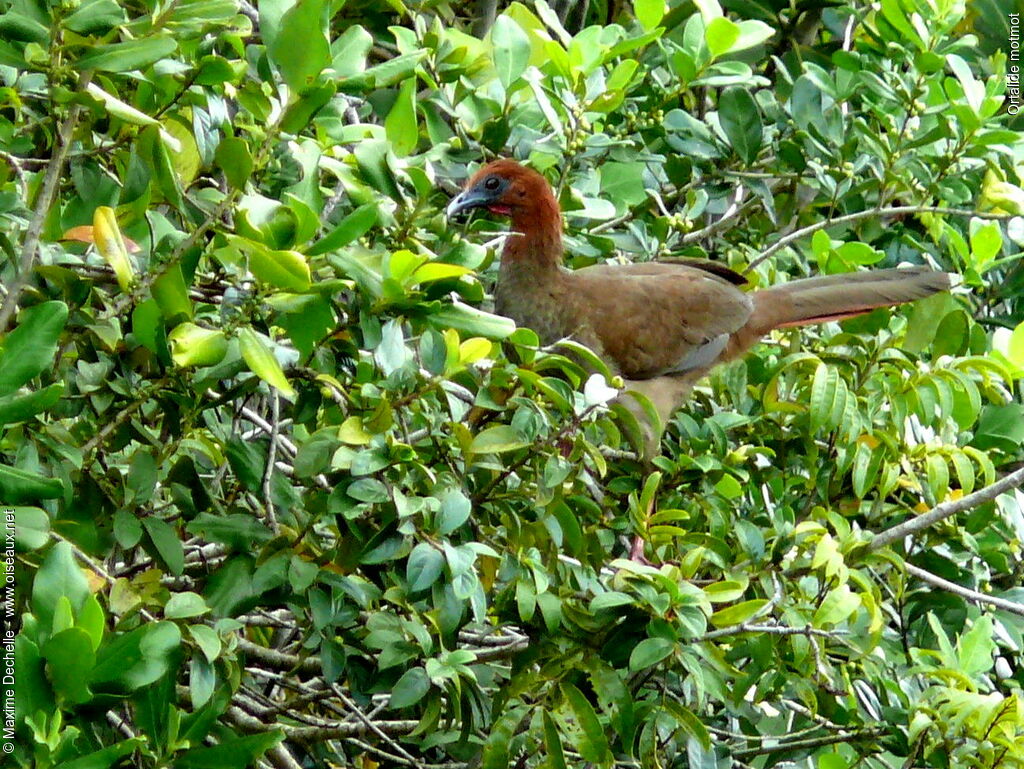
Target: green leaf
[352,227]
[937,470]
[623,184]
[300,50]
[649,12]
[18,486]
[106,757]
[649,652]
[740,119]
[351,50]
[977,647]
[165,539]
[18,408]
[192,345]
[235,161]
[924,321]
[691,725]
[137,658]
[69,660]
[400,125]
[128,56]
[511,50]
[496,747]
[185,605]
[752,32]
[455,510]
[738,613]
[207,640]
[410,688]
[307,105]
[424,566]
[497,440]
[721,35]
[171,295]
[31,527]
[284,269]
[729,487]
[838,604]
[470,321]
[259,356]
[553,742]
[592,743]
[986,243]
[610,600]
[230,754]
[58,578]
[95,17]
[28,350]
[828,398]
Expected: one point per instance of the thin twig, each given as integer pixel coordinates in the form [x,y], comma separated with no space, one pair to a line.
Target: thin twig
[946,510]
[361,716]
[268,472]
[54,173]
[868,214]
[963,592]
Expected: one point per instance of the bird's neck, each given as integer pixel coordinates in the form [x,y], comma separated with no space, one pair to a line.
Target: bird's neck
[535,246]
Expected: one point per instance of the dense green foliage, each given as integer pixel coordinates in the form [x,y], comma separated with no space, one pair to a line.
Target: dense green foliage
[286,491]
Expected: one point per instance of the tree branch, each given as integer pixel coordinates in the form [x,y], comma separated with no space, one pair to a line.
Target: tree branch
[54,173]
[868,214]
[963,592]
[946,510]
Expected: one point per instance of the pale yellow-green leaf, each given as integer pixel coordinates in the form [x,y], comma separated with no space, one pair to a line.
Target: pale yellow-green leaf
[837,606]
[193,345]
[258,355]
[353,432]
[110,244]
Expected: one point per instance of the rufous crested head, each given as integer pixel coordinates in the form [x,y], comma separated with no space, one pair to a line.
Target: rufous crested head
[506,188]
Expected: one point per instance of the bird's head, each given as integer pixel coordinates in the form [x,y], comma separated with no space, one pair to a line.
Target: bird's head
[506,188]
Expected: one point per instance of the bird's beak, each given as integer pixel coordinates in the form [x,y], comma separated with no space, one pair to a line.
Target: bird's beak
[468,199]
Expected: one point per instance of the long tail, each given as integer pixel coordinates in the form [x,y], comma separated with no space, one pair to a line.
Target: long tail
[835,297]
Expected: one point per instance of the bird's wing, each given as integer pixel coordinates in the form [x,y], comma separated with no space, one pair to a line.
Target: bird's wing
[655,319]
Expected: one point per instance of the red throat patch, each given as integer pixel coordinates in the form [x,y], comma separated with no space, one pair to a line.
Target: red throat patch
[500,210]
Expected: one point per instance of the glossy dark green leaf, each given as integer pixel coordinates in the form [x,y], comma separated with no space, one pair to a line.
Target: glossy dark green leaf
[410,688]
[352,227]
[165,539]
[137,658]
[28,350]
[124,57]
[231,754]
[424,567]
[18,408]
[740,119]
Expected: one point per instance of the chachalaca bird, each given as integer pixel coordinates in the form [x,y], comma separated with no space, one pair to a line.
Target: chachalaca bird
[659,325]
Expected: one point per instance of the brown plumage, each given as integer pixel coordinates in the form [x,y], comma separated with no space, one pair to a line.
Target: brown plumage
[661,326]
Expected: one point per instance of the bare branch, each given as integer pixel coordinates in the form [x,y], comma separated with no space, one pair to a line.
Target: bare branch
[963,592]
[54,173]
[947,510]
[869,214]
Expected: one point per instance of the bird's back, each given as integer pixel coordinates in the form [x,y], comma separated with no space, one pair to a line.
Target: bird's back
[654,318]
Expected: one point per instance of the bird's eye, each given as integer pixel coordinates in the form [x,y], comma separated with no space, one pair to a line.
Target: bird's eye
[492,183]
